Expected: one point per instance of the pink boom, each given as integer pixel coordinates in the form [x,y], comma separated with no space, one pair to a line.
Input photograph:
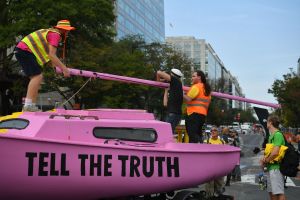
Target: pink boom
[125,79]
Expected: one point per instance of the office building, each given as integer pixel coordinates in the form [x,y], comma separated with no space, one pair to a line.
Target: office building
[143,17]
[206,59]
[298,67]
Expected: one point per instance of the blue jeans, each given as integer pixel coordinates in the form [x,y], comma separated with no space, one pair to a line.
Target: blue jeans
[174,120]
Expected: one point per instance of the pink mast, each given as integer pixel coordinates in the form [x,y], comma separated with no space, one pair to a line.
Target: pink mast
[104,76]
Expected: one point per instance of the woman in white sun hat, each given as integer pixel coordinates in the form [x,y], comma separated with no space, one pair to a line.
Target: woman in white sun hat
[173,96]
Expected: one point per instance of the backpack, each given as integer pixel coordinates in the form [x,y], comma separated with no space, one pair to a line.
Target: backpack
[289,163]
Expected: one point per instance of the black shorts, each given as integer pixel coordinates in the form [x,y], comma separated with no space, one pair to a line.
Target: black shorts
[28,62]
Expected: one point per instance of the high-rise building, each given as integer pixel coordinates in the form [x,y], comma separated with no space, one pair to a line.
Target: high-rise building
[202,54]
[192,48]
[298,70]
[143,17]
[206,59]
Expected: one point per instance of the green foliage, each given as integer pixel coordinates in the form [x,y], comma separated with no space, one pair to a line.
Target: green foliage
[220,114]
[124,58]
[162,57]
[130,57]
[287,92]
[93,19]
[91,47]
[247,116]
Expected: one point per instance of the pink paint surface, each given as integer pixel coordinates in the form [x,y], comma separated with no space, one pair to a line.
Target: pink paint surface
[51,133]
[125,79]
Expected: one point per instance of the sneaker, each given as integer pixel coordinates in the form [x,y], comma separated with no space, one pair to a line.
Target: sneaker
[31,108]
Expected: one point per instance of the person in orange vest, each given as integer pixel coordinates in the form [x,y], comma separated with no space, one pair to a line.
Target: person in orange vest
[34,51]
[197,99]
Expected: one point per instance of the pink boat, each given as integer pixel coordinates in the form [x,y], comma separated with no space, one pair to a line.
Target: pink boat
[104,153]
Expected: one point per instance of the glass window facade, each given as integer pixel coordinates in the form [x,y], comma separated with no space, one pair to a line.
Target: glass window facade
[143,17]
[206,59]
[188,46]
[213,67]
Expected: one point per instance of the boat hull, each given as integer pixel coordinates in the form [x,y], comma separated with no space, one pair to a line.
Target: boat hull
[41,169]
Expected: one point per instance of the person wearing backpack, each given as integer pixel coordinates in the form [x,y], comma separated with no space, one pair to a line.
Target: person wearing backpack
[275,179]
[289,165]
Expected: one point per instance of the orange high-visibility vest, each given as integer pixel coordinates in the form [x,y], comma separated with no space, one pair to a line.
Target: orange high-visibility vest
[200,103]
[38,44]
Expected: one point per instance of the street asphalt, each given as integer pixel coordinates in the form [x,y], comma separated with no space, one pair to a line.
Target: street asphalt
[248,188]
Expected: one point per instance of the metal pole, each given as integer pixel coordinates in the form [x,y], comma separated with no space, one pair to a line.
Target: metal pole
[104,76]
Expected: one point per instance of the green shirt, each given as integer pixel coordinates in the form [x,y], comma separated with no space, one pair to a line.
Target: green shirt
[276,139]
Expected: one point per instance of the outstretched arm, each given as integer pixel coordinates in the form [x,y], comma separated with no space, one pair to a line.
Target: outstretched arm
[192,93]
[56,62]
[162,76]
[165,102]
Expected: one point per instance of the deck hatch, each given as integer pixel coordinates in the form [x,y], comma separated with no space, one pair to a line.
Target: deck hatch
[130,134]
[14,124]
[82,117]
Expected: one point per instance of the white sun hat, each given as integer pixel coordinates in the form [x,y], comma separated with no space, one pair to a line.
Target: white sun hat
[177,72]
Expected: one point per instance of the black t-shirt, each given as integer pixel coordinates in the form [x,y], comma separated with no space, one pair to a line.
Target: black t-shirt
[175,96]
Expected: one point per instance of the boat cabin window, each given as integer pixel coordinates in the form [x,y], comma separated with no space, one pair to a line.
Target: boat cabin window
[131,134]
[14,124]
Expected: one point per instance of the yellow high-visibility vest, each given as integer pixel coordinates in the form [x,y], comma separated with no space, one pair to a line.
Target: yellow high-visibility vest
[38,44]
[200,103]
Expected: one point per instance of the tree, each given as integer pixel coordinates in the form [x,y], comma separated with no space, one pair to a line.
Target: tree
[93,19]
[91,47]
[287,92]
[163,57]
[132,57]
[217,113]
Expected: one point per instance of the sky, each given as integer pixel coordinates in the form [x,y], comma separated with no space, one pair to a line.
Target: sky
[257,40]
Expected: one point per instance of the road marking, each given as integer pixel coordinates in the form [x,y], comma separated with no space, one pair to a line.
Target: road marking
[251,179]
[289,182]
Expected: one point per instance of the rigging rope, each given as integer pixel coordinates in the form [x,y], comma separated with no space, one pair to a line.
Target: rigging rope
[76,92]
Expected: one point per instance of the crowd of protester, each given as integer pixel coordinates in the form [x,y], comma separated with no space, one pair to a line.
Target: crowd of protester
[222,136]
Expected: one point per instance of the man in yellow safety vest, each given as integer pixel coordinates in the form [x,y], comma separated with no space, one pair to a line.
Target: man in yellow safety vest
[34,51]
[216,186]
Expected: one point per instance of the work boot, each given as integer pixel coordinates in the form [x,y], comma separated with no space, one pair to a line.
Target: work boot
[31,108]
